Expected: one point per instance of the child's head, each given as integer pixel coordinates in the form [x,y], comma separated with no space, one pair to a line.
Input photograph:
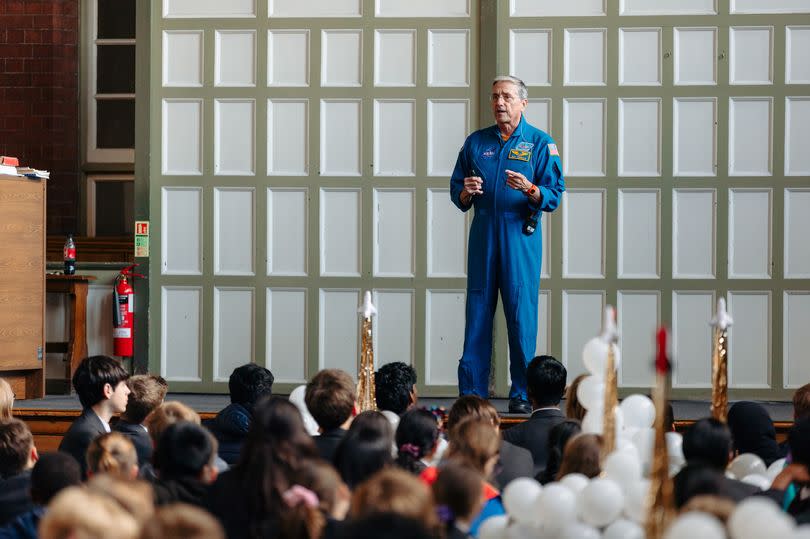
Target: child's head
[112,453]
[458,493]
[416,438]
[147,392]
[52,473]
[249,383]
[395,491]
[17,451]
[472,443]
[582,454]
[166,414]
[6,400]
[321,478]
[331,398]
[99,378]
[79,512]
[365,449]
[186,449]
[182,521]
[395,387]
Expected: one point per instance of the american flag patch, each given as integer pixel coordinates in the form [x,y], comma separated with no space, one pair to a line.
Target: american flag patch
[552,150]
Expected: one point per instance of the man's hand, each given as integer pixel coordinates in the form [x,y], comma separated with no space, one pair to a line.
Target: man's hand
[473,185]
[516,180]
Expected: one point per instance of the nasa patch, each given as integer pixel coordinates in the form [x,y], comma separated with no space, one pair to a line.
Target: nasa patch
[489,153]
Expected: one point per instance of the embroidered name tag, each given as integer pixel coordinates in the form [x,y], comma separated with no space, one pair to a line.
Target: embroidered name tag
[520,155]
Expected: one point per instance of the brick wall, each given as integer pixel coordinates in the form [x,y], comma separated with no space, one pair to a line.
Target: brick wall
[39,97]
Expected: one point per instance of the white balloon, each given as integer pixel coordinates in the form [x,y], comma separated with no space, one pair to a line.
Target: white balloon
[801,532]
[520,498]
[521,531]
[775,469]
[297,398]
[578,530]
[600,503]
[757,517]
[592,422]
[675,448]
[639,411]
[622,468]
[575,481]
[757,480]
[635,500]
[591,392]
[594,356]
[747,464]
[695,524]
[644,440]
[555,507]
[624,529]
[494,527]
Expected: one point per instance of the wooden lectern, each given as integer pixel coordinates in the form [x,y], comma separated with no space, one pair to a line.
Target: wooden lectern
[22,285]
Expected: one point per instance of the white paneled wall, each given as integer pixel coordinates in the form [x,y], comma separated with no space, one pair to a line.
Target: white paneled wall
[675,129]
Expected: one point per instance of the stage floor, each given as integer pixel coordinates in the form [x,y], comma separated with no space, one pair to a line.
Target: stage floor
[684,410]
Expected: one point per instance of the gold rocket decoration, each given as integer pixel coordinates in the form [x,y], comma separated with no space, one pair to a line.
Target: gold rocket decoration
[660,499]
[611,336]
[366,398]
[721,323]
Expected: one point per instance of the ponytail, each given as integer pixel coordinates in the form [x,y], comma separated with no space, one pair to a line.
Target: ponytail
[112,453]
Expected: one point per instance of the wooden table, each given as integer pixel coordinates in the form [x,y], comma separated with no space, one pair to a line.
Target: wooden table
[75,286]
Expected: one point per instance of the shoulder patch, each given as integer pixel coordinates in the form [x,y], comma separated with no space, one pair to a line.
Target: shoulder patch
[552,150]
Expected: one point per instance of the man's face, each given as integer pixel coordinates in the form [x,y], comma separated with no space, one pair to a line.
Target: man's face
[506,105]
[120,397]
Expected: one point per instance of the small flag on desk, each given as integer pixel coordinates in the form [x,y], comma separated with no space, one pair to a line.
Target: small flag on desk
[552,150]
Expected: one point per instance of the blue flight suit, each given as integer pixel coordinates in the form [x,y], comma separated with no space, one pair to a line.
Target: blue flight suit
[500,256]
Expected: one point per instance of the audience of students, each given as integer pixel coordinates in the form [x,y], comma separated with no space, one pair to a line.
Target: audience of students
[146,392]
[357,478]
[100,383]
[246,385]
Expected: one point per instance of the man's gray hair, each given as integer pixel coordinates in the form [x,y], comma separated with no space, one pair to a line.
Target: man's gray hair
[523,92]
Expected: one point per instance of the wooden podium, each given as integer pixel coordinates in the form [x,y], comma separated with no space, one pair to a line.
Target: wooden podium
[22,285]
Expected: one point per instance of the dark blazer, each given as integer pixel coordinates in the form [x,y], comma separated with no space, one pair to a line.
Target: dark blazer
[78,437]
[140,439]
[513,462]
[227,499]
[532,434]
[327,443]
[15,496]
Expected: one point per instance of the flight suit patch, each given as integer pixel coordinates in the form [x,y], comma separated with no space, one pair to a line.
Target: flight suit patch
[519,155]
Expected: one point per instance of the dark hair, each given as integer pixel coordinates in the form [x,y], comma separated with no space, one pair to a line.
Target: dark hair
[573,408]
[417,434]
[92,374]
[364,450]
[330,398]
[753,432]
[545,381]
[52,473]
[394,383]
[799,441]
[249,383]
[276,445]
[457,491]
[147,392]
[708,441]
[558,436]
[696,480]
[183,450]
[371,419]
[16,442]
[388,525]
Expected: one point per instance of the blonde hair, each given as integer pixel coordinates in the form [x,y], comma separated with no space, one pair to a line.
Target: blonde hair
[182,521]
[112,453]
[473,443]
[6,400]
[79,513]
[166,414]
[396,491]
[134,496]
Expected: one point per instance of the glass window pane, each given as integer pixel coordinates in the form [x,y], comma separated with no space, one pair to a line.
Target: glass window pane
[116,19]
[115,208]
[115,123]
[115,69]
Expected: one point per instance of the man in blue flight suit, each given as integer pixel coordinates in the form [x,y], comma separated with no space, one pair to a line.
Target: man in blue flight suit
[510,172]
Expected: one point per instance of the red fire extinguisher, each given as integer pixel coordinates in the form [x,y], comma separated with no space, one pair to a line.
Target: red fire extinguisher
[124,312]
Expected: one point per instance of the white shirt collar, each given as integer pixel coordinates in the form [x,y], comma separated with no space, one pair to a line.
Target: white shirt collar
[104,423]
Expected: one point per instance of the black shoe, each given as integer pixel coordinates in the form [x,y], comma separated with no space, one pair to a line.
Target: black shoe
[519,406]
